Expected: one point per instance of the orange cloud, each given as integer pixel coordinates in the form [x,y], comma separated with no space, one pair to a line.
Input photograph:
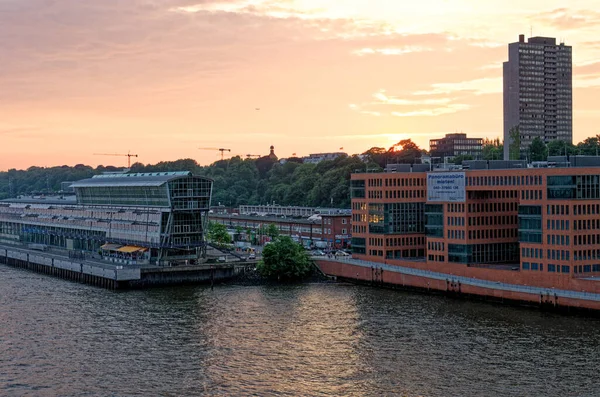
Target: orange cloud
[163,77]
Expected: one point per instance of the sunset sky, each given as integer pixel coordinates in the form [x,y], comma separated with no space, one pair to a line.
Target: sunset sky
[161,78]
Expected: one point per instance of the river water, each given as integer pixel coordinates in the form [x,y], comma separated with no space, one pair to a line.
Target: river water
[59,338]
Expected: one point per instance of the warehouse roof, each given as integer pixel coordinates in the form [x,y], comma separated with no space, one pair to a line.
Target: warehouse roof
[134,179]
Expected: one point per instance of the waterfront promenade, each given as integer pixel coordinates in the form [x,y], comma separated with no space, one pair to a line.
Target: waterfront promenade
[375,272]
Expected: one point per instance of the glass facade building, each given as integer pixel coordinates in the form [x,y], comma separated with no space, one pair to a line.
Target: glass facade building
[162,215]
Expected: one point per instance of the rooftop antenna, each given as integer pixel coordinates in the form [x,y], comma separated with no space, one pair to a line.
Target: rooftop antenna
[530,31]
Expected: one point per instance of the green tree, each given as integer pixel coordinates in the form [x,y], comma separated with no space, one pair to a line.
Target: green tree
[272,231]
[514,145]
[459,159]
[284,260]
[538,150]
[217,233]
[561,148]
[589,146]
[376,155]
[409,152]
[492,149]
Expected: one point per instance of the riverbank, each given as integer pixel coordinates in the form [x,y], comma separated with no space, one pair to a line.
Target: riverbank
[251,277]
[472,284]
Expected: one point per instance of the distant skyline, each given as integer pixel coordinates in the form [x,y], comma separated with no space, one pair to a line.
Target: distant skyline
[161,78]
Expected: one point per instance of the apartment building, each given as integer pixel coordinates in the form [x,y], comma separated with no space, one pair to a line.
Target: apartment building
[538,92]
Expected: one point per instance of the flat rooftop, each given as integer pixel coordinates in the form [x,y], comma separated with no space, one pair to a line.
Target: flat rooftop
[57,200]
[258,218]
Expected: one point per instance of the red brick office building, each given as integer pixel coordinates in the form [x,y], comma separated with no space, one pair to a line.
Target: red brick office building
[493,214]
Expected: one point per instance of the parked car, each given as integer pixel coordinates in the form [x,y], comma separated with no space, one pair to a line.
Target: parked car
[252,257]
[318,253]
[341,253]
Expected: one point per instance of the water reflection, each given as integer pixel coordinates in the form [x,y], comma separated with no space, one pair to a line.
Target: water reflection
[62,338]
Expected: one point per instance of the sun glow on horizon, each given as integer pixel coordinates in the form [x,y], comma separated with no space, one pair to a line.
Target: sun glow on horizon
[306,76]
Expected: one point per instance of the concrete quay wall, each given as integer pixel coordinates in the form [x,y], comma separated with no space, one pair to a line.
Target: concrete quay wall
[183,275]
[460,286]
[112,276]
[64,269]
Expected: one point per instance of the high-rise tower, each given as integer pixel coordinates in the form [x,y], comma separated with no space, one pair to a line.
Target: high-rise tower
[538,93]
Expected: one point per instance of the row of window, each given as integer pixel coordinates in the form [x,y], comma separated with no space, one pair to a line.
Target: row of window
[505,180]
[578,224]
[586,255]
[456,221]
[586,268]
[558,268]
[555,239]
[492,233]
[483,253]
[560,209]
[436,245]
[282,227]
[404,194]
[552,268]
[492,220]
[559,255]
[556,224]
[376,242]
[586,239]
[585,209]
[532,253]
[359,206]
[531,195]
[359,229]
[405,241]
[405,182]
[586,224]
[456,234]
[493,207]
[359,218]
[378,182]
[375,194]
[405,253]
[533,266]
[453,207]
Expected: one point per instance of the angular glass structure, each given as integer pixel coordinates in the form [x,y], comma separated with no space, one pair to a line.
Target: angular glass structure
[156,218]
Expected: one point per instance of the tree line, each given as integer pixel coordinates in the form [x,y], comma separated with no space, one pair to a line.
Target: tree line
[540,151]
[265,180]
[236,180]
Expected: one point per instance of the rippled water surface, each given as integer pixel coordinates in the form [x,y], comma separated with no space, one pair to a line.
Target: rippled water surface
[59,338]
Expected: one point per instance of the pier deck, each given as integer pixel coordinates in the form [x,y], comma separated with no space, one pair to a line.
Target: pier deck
[95,271]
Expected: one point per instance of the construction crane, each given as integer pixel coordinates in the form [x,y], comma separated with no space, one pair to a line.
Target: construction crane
[253,155]
[129,156]
[222,150]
